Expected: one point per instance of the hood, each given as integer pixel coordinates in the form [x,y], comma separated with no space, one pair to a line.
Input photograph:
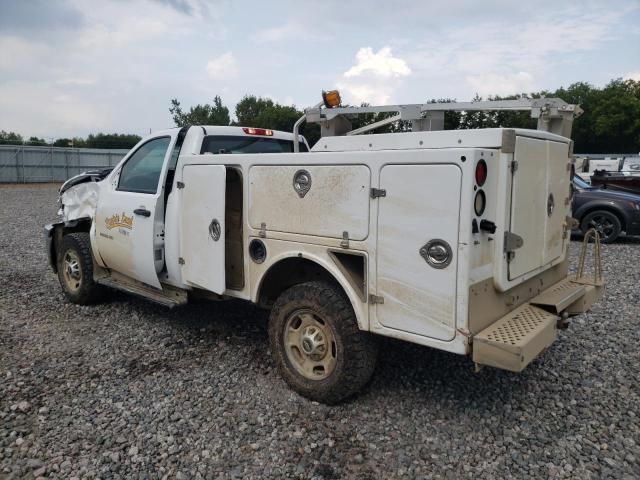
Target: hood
[601,193]
[88,176]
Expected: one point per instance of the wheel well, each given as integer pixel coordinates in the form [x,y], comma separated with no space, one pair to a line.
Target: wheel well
[606,208]
[72,226]
[287,273]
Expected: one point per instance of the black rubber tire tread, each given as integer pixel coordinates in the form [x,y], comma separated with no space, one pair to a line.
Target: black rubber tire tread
[614,218]
[89,292]
[356,350]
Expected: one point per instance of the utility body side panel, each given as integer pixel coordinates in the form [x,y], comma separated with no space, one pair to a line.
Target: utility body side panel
[337,200]
[422,203]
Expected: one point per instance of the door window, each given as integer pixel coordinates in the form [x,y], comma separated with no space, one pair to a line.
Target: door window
[141,172]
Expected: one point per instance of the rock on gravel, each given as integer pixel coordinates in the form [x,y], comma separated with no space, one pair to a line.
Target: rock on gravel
[127,389]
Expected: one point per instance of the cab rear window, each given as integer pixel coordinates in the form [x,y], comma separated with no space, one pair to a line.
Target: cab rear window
[240,144]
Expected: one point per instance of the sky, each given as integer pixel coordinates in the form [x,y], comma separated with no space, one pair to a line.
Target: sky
[74,67]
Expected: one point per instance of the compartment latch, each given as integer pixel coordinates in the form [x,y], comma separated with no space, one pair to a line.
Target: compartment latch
[512,242]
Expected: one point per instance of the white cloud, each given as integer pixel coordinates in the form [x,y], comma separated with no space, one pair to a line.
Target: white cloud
[632,76]
[498,57]
[382,64]
[374,78]
[224,66]
[371,93]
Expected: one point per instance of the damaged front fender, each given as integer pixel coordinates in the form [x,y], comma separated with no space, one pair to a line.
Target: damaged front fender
[79,201]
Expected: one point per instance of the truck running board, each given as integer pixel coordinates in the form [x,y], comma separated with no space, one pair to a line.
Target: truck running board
[169,296]
[559,296]
[513,341]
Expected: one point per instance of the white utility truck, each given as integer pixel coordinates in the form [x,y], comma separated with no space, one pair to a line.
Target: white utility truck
[456,240]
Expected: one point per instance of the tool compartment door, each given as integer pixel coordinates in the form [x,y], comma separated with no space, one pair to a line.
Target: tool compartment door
[539,206]
[422,203]
[337,200]
[202,226]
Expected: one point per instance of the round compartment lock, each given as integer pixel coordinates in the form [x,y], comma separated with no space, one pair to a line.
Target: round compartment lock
[302,182]
[437,253]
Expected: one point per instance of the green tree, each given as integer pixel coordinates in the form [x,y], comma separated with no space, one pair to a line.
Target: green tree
[207,114]
[109,140]
[36,141]
[615,117]
[250,108]
[63,142]
[10,138]
[252,111]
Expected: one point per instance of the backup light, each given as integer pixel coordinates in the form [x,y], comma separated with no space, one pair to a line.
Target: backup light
[480,203]
[258,131]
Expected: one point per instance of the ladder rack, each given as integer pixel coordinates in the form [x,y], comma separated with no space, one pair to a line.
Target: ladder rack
[554,115]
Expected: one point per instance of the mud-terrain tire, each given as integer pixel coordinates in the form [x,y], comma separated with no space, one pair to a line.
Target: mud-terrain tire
[317,345]
[75,270]
[605,222]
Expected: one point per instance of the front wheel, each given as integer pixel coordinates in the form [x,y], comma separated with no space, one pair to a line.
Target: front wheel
[75,269]
[607,224]
[317,345]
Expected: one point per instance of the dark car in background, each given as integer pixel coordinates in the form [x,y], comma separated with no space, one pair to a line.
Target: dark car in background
[609,212]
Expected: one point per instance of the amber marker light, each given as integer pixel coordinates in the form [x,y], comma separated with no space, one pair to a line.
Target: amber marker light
[331,98]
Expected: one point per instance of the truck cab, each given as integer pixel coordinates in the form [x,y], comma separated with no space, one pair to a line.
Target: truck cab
[455,240]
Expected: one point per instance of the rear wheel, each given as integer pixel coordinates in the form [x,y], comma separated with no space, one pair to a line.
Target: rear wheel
[606,223]
[75,269]
[317,345]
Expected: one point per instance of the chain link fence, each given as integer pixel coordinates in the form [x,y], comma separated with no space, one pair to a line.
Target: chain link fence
[33,164]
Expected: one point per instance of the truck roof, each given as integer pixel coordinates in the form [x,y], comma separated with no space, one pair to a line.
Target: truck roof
[230,130]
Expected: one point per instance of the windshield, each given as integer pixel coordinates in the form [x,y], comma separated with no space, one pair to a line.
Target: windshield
[580,183]
[243,144]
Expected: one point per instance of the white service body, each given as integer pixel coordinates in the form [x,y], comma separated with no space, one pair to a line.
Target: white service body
[430,189]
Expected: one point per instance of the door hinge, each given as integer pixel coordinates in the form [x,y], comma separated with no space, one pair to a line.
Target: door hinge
[345,240]
[569,224]
[514,166]
[511,243]
[263,230]
[378,192]
[180,184]
[375,299]
[181,261]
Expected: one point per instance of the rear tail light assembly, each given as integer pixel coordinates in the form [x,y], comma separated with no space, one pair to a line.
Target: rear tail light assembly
[480,200]
[481,173]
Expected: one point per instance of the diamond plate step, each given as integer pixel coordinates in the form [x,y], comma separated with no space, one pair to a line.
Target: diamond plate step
[513,341]
[559,296]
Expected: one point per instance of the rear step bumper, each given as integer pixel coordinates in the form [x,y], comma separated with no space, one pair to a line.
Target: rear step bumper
[515,340]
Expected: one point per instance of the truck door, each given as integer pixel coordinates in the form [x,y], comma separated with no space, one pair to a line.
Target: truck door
[202,226]
[421,209]
[130,214]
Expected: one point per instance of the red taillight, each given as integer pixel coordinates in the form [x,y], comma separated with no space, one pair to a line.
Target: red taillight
[258,131]
[481,172]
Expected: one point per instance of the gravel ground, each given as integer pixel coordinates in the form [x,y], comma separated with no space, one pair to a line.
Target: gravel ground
[126,389]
